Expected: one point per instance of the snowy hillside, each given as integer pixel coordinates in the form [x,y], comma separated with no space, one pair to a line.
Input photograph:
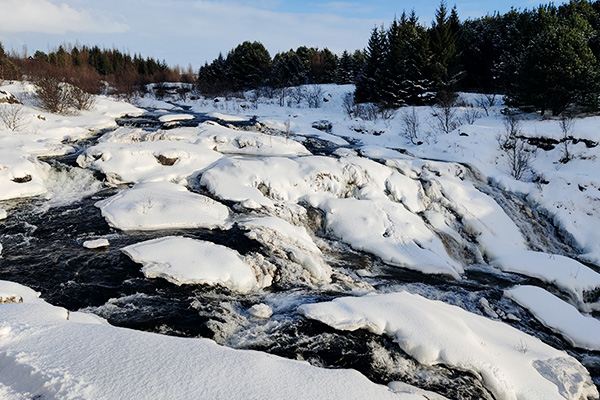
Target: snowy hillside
[372,258]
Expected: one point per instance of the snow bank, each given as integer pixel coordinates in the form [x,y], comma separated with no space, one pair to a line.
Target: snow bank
[44,355]
[21,175]
[580,330]
[187,261]
[563,272]
[162,205]
[175,117]
[512,364]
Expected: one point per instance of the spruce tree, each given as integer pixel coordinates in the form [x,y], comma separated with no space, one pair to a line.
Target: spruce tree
[344,73]
[443,36]
[368,84]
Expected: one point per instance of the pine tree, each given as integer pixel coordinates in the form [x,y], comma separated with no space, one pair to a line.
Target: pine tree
[249,64]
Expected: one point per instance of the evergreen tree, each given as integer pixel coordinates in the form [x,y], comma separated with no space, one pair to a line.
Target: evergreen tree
[443,36]
[557,69]
[288,70]
[249,63]
[344,73]
[368,84]
[359,60]
[403,80]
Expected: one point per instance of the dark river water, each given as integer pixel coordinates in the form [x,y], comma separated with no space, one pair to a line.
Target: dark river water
[42,248]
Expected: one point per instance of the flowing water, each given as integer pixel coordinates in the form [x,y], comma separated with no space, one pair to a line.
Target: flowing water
[42,248]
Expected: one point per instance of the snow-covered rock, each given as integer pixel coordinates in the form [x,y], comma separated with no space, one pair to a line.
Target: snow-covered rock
[96,243]
[183,260]
[512,364]
[162,205]
[580,330]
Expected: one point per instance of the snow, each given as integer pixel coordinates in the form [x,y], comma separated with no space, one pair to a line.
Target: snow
[175,117]
[162,205]
[42,134]
[565,273]
[412,206]
[44,355]
[141,162]
[185,261]
[512,364]
[261,311]
[96,243]
[291,242]
[580,330]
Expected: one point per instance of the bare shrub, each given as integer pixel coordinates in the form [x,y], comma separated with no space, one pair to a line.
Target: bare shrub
[567,124]
[53,95]
[348,104]
[281,95]
[81,99]
[486,101]
[444,113]
[410,123]
[470,115]
[520,154]
[298,94]
[12,116]
[314,96]
[366,111]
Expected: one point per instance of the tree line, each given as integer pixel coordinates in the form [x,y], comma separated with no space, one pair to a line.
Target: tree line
[544,59]
[91,69]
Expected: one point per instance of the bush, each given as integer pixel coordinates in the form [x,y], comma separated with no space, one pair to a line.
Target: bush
[54,96]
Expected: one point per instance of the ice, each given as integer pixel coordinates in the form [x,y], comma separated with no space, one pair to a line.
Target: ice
[580,330]
[512,364]
[563,272]
[44,355]
[3,214]
[162,205]
[187,261]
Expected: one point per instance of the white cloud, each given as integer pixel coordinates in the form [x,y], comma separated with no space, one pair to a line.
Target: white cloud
[53,17]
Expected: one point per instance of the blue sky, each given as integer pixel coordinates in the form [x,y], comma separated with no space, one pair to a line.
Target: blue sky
[188,32]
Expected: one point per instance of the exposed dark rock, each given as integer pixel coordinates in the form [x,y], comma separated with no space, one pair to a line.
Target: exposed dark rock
[323,125]
[24,179]
[166,161]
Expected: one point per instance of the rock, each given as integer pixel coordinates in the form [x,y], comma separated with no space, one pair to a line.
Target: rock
[261,311]
[323,125]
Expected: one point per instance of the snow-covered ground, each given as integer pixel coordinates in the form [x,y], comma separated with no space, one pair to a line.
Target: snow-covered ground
[409,206]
